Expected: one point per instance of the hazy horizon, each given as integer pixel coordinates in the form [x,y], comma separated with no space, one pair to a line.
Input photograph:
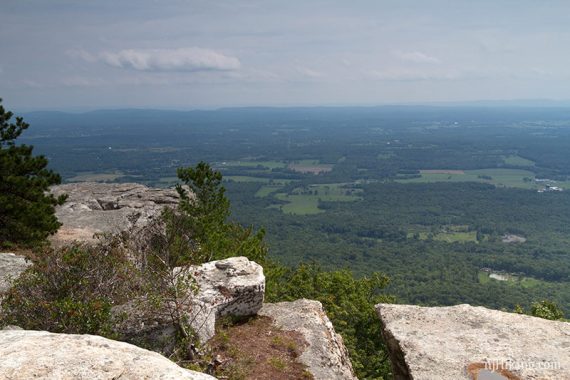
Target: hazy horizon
[192,54]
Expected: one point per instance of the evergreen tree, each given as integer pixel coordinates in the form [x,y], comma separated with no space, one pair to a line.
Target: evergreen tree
[205,212]
[26,210]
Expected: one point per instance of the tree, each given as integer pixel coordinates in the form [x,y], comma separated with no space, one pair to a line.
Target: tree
[27,213]
[205,211]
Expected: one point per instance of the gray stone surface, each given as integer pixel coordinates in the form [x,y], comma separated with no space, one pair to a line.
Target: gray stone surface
[325,356]
[444,342]
[235,286]
[43,355]
[93,208]
[11,266]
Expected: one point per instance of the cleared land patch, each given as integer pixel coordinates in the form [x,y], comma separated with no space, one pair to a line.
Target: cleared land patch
[486,276]
[254,164]
[245,178]
[442,171]
[448,234]
[305,200]
[518,161]
[265,190]
[518,178]
[96,177]
[310,167]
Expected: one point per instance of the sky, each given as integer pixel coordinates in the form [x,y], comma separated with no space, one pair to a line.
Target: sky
[195,54]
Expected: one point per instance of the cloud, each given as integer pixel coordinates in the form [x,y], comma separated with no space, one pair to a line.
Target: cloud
[403,75]
[417,57]
[309,73]
[183,59]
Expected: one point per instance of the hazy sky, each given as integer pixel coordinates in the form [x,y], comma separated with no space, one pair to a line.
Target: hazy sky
[66,54]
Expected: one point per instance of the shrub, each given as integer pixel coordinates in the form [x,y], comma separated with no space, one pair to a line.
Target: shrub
[71,290]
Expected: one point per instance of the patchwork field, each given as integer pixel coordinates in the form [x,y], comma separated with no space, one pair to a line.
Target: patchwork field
[450,234]
[486,277]
[518,161]
[305,201]
[310,167]
[266,190]
[517,178]
[253,164]
[96,177]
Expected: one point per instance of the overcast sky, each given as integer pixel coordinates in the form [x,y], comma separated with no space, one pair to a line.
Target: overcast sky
[186,54]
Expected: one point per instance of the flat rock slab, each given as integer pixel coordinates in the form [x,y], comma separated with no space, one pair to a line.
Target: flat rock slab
[11,266]
[93,208]
[460,342]
[325,356]
[43,355]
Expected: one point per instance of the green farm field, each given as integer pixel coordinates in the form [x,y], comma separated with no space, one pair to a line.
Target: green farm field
[499,177]
[305,201]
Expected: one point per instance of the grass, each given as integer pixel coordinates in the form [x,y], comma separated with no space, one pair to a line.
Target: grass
[512,280]
[256,349]
[168,179]
[483,277]
[254,164]
[298,204]
[305,201]
[265,190]
[449,234]
[498,177]
[245,178]
[310,166]
[457,237]
[96,177]
[518,161]
[384,156]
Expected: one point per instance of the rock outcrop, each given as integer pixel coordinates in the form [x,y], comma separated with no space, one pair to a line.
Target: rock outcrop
[93,208]
[11,266]
[43,355]
[464,342]
[325,356]
[234,286]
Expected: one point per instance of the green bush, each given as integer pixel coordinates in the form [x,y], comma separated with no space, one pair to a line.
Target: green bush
[547,310]
[70,290]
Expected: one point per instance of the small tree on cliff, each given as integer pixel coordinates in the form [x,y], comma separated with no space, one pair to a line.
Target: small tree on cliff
[26,211]
[206,211]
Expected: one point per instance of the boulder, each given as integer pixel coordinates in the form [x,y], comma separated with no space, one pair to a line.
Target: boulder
[43,355]
[325,356]
[466,342]
[234,286]
[11,266]
[94,208]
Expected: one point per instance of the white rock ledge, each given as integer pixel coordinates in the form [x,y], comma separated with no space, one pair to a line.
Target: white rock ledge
[42,355]
[455,342]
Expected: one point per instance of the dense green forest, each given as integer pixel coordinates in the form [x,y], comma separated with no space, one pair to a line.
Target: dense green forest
[454,205]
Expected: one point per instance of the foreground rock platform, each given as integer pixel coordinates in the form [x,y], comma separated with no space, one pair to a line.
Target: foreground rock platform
[43,355]
[325,356]
[94,208]
[11,266]
[460,342]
